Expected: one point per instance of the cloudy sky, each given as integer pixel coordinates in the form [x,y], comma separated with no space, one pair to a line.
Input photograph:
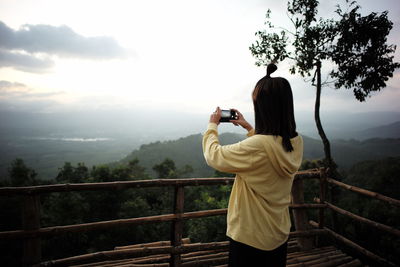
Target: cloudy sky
[176,55]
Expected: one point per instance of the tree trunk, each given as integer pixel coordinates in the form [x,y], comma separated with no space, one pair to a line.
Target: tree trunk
[328,161]
[325,141]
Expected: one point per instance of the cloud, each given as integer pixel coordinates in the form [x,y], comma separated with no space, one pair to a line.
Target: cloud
[61,41]
[19,92]
[31,47]
[5,85]
[25,62]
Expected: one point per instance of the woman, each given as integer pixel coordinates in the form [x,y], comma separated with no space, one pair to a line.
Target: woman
[258,221]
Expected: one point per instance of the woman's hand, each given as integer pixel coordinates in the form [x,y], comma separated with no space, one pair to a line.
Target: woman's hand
[216,116]
[241,121]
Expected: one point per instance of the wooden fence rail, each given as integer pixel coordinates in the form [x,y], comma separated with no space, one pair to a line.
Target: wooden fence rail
[119,185]
[361,219]
[56,230]
[365,192]
[391,230]
[32,233]
[381,261]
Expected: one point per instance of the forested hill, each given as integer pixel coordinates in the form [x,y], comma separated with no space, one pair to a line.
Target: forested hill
[188,151]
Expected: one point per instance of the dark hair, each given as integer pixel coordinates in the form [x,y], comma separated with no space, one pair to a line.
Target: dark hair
[273,108]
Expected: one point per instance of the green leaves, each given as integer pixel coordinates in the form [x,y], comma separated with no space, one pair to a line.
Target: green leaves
[356,44]
[20,174]
[168,170]
[271,47]
[310,41]
[364,59]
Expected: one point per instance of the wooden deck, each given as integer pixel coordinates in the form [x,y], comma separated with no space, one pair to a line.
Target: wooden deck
[321,257]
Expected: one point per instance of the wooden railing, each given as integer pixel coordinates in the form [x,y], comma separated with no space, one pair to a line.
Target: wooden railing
[31,232]
[395,232]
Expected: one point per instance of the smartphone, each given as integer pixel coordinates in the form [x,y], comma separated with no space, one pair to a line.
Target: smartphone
[227,115]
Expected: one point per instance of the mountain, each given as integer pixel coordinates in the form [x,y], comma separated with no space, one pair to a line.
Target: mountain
[46,140]
[360,126]
[348,152]
[389,131]
[188,150]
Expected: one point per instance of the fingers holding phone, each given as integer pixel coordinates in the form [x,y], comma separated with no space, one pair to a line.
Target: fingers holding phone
[240,120]
[215,117]
[230,115]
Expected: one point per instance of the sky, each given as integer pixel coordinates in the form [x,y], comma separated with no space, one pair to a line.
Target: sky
[178,56]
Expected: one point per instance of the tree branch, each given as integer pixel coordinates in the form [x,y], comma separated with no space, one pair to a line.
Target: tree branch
[286,30]
[291,19]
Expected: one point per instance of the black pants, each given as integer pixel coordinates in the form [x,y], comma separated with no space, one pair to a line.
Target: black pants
[242,255]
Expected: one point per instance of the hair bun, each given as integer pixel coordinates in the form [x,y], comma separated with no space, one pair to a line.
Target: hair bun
[270,69]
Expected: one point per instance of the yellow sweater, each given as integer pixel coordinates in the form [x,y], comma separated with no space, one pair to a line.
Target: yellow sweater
[258,210]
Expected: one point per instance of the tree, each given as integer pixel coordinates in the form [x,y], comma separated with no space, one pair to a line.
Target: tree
[379,176]
[355,44]
[71,174]
[167,169]
[101,173]
[20,174]
[136,171]
[131,171]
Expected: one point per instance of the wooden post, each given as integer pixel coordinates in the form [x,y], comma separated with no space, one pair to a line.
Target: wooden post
[32,251]
[322,196]
[177,225]
[300,215]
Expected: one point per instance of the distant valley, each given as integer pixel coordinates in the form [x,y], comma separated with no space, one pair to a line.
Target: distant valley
[46,141]
[47,156]
[188,151]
